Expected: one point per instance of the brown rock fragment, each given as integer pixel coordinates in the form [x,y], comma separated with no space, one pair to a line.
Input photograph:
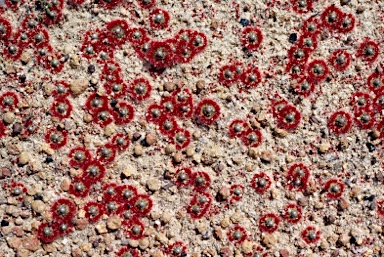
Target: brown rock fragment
[78,86]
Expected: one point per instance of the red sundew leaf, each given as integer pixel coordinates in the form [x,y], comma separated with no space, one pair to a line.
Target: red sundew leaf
[317,71]
[308,43]
[53,62]
[18,188]
[79,187]
[95,102]
[94,211]
[47,233]
[154,113]
[140,89]
[298,7]
[141,205]
[364,118]
[312,26]
[120,142]
[125,213]
[261,182]
[61,108]
[251,38]
[199,205]
[117,32]
[168,125]
[93,171]
[182,98]
[54,14]
[303,87]
[295,69]
[135,229]
[109,4]
[183,177]
[5,34]
[79,157]
[90,50]
[12,50]
[375,82]
[298,54]
[9,101]
[201,181]
[123,113]
[125,251]
[252,137]
[76,2]
[142,49]
[56,138]
[380,208]
[340,122]
[160,54]
[207,111]
[269,223]
[334,188]
[110,192]
[368,51]
[137,36]
[106,154]
[237,127]
[177,249]
[310,235]
[147,4]
[289,118]
[168,105]
[22,39]
[198,42]
[159,19]
[378,102]
[360,100]
[237,235]
[63,228]
[292,213]
[116,89]
[42,53]
[39,36]
[332,18]
[230,74]
[277,106]
[347,23]
[258,251]
[181,138]
[103,116]
[126,194]
[236,192]
[63,210]
[31,125]
[298,177]
[340,60]
[251,78]
[61,89]
[111,72]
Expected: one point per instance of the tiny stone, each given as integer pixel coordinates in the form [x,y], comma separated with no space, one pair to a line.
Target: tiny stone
[200,85]
[114,222]
[24,158]
[79,86]
[244,22]
[292,38]
[169,86]
[153,184]
[246,247]
[143,243]
[343,204]
[127,172]
[9,117]
[151,138]
[101,228]
[87,118]
[178,157]
[170,149]
[324,147]
[269,240]
[224,193]
[224,223]
[91,69]
[16,128]
[138,150]
[284,253]
[371,147]
[136,136]
[38,206]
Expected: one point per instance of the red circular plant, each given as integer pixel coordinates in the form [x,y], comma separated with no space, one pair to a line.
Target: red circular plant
[251,38]
[177,249]
[199,205]
[197,43]
[298,54]
[106,153]
[5,33]
[103,116]
[303,87]
[140,89]
[168,105]
[61,108]
[251,77]
[125,213]
[378,102]
[3,130]
[237,128]
[317,71]
[269,223]
[181,138]
[288,118]
[310,235]
[347,23]
[340,60]
[111,72]
[183,177]
[95,102]
[155,113]
[207,111]
[123,113]
[126,194]
[301,6]
[110,192]
[252,137]
[47,233]
[261,182]
[117,32]
[116,89]
[135,229]
[236,192]
[120,142]
[200,180]
[334,188]
[61,89]
[340,122]
[364,118]
[109,4]
[312,26]
[137,36]
[12,50]
[56,138]
[292,213]
[230,73]
[168,125]
[375,82]
[93,171]
[94,211]
[9,101]
[298,177]
[141,205]
[160,54]
[332,18]
[79,187]
[159,19]
[63,210]
[237,235]
[368,51]
[182,99]
[128,252]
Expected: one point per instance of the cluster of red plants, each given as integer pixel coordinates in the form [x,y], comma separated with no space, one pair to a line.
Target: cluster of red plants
[237,74]
[249,136]
[286,114]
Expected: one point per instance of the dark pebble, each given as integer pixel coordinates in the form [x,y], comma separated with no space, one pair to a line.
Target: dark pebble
[16,128]
[372,206]
[38,197]
[244,22]
[292,38]
[371,147]
[22,78]
[48,159]
[352,240]
[91,68]
[4,223]
[136,136]
[369,198]
[114,103]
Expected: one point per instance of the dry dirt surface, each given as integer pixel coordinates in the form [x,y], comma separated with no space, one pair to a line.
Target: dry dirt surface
[191,128]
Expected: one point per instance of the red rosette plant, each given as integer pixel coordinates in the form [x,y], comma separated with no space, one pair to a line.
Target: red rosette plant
[126,194]
[61,108]
[168,106]
[5,33]
[79,157]
[261,182]
[22,39]
[12,51]
[53,13]
[277,106]
[155,113]
[116,89]
[47,233]
[135,229]
[251,78]
[95,102]
[31,125]
[160,54]
[125,213]
[301,7]
[111,72]
[317,71]
[9,101]
[147,4]
[334,188]
[380,208]
[237,127]
[347,23]
[42,53]
[252,137]
[181,138]
[207,111]
[159,19]
[140,89]
[310,235]
[53,62]
[79,187]
[168,125]
[289,118]
[106,153]
[56,138]
[110,192]
[182,98]
[236,192]
[340,60]
[312,26]
[375,82]
[251,38]
[17,189]
[63,210]
[93,171]
[269,223]
[117,32]
[378,102]
[340,122]
[298,54]
[237,234]
[298,177]
[292,213]
[39,36]
[177,249]
[63,228]
[128,252]
[332,18]
[123,113]
[137,36]
[308,43]
[197,43]
[368,51]
[199,205]
[303,87]
[120,142]
[94,211]
[230,73]
[141,205]
[200,180]
[103,116]
[183,177]
[364,118]
[295,69]
[61,89]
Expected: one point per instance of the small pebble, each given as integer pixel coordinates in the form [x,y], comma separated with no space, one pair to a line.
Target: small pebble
[371,147]
[292,38]
[114,222]
[244,22]
[138,150]
[38,206]
[9,117]
[153,184]
[79,86]
[151,138]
